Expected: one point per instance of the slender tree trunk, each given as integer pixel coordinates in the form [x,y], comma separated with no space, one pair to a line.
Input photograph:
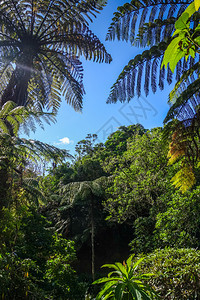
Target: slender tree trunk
[4,186]
[92,238]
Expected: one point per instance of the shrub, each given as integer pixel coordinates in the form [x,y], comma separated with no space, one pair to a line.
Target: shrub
[177,272]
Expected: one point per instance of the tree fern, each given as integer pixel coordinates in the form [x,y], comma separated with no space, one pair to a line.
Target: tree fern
[151,23]
[15,152]
[184,178]
[40,47]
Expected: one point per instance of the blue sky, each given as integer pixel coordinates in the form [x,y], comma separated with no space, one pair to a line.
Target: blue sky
[97,116]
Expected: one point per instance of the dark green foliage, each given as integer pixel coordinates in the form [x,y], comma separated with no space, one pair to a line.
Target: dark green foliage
[35,262]
[16,152]
[16,278]
[134,203]
[116,143]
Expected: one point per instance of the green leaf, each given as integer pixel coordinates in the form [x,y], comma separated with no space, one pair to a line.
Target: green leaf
[190,9]
[145,296]
[175,59]
[196,4]
[106,291]
[137,262]
[129,260]
[133,291]
[181,23]
[105,279]
[109,266]
[122,269]
[119,291]
[170,52]
[197,40]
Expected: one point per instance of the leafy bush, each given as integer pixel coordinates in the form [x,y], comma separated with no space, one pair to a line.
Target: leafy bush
[16,278]
[177,272]
[35,263]
[178,226]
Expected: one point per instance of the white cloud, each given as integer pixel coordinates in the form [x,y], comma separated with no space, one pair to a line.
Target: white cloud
[64,141]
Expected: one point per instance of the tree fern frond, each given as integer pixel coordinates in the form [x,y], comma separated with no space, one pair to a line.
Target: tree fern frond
[31,186]
[16,117]
[145,10]
[184,149]
[151,60]
[63,81]
[153,33]
[35,150]
[178,146]
[78,40]
[182,99]
[184,179]
[183,79]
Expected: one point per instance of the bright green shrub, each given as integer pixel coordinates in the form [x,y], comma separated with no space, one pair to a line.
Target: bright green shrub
[177,273]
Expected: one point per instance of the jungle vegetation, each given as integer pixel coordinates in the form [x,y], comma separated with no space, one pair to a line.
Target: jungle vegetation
[130,204]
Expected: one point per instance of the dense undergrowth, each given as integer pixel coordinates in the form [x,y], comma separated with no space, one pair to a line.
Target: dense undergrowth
[112,200]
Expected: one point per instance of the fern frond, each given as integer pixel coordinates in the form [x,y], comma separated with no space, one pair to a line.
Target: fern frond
[31,186]
[154,32]
[131,76]
[137,13]
[12,118]
[184,149]
[180,103]
[184,79]
[184,179]
[177,147]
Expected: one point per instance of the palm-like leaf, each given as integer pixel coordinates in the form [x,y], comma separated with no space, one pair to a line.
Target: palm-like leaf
[140,15]
[40,46]
[151,23]
[13,118]
[124,282]
[18,150]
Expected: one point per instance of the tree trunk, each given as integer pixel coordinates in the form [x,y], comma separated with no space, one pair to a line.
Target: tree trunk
[16,89]
[4,187]
[92,238]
